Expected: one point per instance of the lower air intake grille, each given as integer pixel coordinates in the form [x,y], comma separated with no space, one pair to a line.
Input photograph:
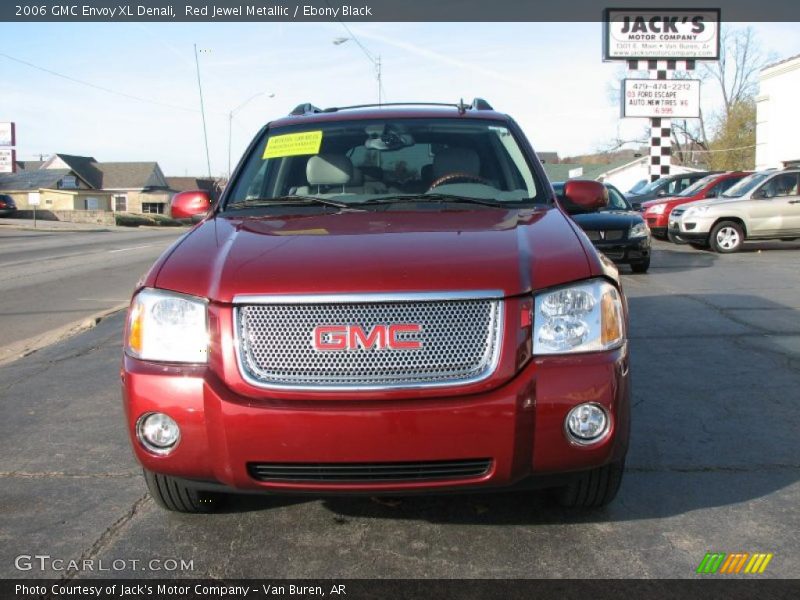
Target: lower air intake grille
[369,472]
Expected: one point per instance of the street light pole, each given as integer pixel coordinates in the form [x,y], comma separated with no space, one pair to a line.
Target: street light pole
[231,113]
[376,61]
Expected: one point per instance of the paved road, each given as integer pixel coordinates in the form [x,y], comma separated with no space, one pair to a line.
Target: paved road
[53,278]
[714,463]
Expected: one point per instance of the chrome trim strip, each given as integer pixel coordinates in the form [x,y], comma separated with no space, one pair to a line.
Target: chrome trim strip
[366,298]
[458,383]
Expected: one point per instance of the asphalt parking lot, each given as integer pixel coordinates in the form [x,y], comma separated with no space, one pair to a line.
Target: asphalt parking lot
[714,463]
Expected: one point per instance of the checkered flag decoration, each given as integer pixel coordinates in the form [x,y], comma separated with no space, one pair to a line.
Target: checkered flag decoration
[660,129]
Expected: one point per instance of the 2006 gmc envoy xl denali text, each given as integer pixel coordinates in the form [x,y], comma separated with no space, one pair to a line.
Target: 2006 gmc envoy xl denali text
[384,300]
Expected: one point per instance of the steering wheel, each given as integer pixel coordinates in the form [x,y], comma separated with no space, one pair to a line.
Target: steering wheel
[458,177]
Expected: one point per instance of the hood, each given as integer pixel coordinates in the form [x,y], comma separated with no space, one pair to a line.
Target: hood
[661,200]
[514,251]
[714,201]
[607,219]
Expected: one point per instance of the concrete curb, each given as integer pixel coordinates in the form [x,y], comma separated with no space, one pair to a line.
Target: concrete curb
[23,348]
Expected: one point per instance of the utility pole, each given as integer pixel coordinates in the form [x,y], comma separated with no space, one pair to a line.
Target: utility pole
[202,110]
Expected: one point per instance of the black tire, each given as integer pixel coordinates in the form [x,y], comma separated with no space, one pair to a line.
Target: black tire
[641,267]
[726,237]
[676,239]
[592,489]
[172,494]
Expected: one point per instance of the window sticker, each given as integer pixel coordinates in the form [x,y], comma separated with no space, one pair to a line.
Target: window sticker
[293,144]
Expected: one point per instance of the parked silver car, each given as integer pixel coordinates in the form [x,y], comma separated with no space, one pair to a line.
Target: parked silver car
[763,206]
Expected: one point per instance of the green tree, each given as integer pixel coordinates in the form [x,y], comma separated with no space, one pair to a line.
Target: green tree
[732,145]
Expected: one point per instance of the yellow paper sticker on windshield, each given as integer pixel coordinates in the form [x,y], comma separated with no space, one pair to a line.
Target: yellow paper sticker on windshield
[293,144]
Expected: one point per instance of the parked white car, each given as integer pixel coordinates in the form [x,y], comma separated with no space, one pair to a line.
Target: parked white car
[763,206]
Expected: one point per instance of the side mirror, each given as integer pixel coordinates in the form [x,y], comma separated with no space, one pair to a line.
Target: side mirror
[636,206]
[586,195]
[186,205]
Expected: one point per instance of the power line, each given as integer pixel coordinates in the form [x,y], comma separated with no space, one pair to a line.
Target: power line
[95,86]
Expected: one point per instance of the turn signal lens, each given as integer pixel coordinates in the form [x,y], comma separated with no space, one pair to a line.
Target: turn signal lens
[611,318]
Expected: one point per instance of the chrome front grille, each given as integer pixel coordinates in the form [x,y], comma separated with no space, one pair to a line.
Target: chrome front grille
[460,342]
[607,235]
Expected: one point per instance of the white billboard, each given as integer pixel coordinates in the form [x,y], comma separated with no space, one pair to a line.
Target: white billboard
[667,98]
[7,134]
[661,34]
[7,160]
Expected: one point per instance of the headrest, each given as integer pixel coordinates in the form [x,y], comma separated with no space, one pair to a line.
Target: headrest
[456,160]
[329,169]
[357,179]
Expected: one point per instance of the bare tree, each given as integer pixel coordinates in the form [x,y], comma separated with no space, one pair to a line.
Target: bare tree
[736,77]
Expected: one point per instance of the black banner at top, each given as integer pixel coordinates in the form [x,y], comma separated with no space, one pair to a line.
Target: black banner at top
[370,10]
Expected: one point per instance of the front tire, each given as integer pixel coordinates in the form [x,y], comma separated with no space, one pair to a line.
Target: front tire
[171,494]
[592,489]
[726,237]
[641,267]
[676,239]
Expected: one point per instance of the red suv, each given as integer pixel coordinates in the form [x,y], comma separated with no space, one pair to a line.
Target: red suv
[384,300]
[656,212]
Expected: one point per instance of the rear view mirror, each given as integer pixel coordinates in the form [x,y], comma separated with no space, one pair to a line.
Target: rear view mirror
[586,195]
[186,205]
[636,206]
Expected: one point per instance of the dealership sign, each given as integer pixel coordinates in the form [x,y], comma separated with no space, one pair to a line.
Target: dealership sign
[7,160]
[667,98]
[7,134]
[677,34]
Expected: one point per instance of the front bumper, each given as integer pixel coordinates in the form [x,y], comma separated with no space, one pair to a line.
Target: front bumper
[519,426]
[630,251]
[689,230]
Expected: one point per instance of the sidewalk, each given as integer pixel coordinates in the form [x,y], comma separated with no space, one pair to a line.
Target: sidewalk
[56,225]
[27,224]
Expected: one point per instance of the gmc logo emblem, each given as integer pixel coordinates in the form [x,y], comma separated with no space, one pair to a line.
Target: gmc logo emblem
[353,337]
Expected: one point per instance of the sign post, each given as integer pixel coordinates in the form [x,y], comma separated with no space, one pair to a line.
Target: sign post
[661,41]
[33,200]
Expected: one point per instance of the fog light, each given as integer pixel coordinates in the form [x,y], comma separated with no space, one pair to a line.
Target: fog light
[587,423]
[157,432]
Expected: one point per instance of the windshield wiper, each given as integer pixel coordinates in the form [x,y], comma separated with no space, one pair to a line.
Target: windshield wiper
[433,198]
[284,201]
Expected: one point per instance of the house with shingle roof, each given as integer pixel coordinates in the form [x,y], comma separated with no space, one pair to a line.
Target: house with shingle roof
[71,182]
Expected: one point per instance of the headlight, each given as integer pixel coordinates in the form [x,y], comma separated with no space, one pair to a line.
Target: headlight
[169,327]
[657,209]
[695,210]
[639,230]
[584,317]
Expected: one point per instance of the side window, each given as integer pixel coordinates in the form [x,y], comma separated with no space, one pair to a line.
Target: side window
[721,187]
[780,185]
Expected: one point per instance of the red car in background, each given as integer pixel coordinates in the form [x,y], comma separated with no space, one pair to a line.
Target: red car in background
[656,212]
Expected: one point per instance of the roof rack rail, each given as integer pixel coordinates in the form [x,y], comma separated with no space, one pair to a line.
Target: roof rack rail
[303,109]
[477,104]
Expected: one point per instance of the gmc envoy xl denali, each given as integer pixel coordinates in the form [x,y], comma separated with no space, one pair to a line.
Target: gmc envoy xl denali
[385,300]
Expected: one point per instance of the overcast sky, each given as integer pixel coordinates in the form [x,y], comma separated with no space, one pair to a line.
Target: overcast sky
[549,76]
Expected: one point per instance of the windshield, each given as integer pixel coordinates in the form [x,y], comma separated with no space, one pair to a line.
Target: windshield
[652,186]
[746,185]
[638,186]
[366,162]
[697,186]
